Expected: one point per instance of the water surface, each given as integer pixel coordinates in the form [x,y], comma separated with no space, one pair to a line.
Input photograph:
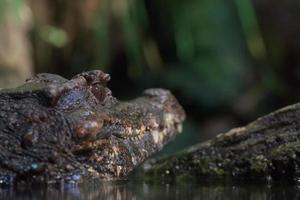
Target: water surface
[137,189]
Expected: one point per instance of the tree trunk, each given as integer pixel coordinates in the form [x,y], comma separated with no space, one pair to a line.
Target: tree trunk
[269,147]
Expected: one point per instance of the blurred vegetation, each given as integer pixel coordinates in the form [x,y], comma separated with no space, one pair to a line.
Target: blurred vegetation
[15,55]
[228,62]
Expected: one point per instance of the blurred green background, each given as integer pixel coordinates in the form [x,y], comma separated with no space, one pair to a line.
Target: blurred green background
[227,61]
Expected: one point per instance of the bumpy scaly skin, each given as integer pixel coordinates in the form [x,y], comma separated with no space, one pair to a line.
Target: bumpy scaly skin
[56,129]
[266,148]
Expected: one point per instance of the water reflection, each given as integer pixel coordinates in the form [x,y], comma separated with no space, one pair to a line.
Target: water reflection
[133,189]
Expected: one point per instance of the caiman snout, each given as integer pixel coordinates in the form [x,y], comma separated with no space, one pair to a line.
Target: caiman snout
[167,100]
[172,115]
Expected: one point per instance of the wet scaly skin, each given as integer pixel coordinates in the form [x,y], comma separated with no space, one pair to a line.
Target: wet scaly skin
[54,129]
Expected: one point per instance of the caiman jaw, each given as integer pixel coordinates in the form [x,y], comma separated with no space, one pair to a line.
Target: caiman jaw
[148,123]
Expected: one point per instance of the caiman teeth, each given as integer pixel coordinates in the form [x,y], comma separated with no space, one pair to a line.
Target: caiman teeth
[135,138]
[132,134]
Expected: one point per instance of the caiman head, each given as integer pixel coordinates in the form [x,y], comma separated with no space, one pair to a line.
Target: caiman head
[73,129]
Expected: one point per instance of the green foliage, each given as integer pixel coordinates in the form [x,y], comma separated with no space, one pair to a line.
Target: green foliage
[210,47]
[211,59]
[102,52]
[251,28]
[54,36]
[14,5]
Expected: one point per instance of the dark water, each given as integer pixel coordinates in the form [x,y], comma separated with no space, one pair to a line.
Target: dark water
[134,189]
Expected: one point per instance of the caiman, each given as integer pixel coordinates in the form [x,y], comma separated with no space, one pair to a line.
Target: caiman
[54,129]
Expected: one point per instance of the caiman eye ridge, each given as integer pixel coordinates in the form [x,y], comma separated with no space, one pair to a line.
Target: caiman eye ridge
[98,91]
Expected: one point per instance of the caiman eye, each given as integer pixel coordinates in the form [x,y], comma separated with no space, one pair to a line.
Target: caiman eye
[98,91]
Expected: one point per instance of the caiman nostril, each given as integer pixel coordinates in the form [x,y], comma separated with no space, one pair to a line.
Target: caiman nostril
[105,77]
[88,129]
